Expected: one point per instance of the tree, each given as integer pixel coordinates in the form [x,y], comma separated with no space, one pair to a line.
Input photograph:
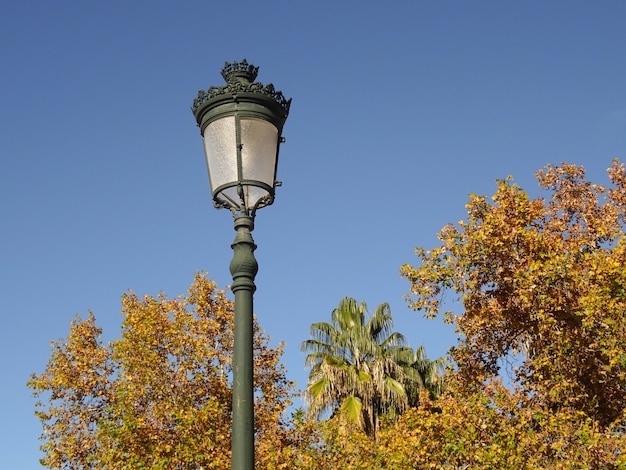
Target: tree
[160,396]
[422,375]
[541,277]
[492,427]
[361,369]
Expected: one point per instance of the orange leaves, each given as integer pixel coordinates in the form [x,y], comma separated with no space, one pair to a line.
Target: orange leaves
[77,383]
[541,277]
[493,427]
[160,395]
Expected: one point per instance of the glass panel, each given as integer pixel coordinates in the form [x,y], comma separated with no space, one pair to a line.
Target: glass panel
[232,194]
[259,139]
[253,194]
[220,147]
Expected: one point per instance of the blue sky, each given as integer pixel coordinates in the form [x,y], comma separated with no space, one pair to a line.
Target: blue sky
[400,110]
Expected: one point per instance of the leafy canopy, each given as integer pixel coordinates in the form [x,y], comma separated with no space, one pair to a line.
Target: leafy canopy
[540,277]
[492,427]
[160,396]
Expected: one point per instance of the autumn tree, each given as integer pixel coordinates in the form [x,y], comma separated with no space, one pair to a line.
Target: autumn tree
[543,277]
[494,427]
[160,396]
[362,370]
[539,277]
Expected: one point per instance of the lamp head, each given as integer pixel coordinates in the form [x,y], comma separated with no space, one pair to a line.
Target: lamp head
[241,125]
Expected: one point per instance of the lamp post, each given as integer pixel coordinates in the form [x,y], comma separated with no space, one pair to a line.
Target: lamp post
[241,125]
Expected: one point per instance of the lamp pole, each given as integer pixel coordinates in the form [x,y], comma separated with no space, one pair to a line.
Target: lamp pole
[241,125]
[243,268]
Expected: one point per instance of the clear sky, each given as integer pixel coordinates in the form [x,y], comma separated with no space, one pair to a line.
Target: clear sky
[400,110]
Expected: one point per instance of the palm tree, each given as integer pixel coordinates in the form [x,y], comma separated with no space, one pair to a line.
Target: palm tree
[422,374]
[360,369]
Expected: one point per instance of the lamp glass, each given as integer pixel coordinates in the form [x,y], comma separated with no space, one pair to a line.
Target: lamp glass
[258,156]
[220,147]
[259,143]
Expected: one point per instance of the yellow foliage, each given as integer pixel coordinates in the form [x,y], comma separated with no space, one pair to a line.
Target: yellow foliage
[493,428]
[543,278]
[160,395]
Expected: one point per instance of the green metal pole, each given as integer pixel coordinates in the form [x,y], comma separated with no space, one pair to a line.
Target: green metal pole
[243,268]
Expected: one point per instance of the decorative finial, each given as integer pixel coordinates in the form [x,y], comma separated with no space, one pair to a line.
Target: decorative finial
[239,71]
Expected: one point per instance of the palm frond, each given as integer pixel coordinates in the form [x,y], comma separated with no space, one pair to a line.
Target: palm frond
[351,409]
[363,369]
[316,389]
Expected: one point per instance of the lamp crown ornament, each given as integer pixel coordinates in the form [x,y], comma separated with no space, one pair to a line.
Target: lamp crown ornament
[240,78]
[234,71]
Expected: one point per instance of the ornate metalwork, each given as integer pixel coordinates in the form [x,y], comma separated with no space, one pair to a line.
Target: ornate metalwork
[231,71]
[240,78]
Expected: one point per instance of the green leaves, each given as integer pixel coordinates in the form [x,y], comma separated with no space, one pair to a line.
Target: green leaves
[316,388]
[351,409]
[359,358]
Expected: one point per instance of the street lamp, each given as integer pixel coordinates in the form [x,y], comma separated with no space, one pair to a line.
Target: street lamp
[241,125]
